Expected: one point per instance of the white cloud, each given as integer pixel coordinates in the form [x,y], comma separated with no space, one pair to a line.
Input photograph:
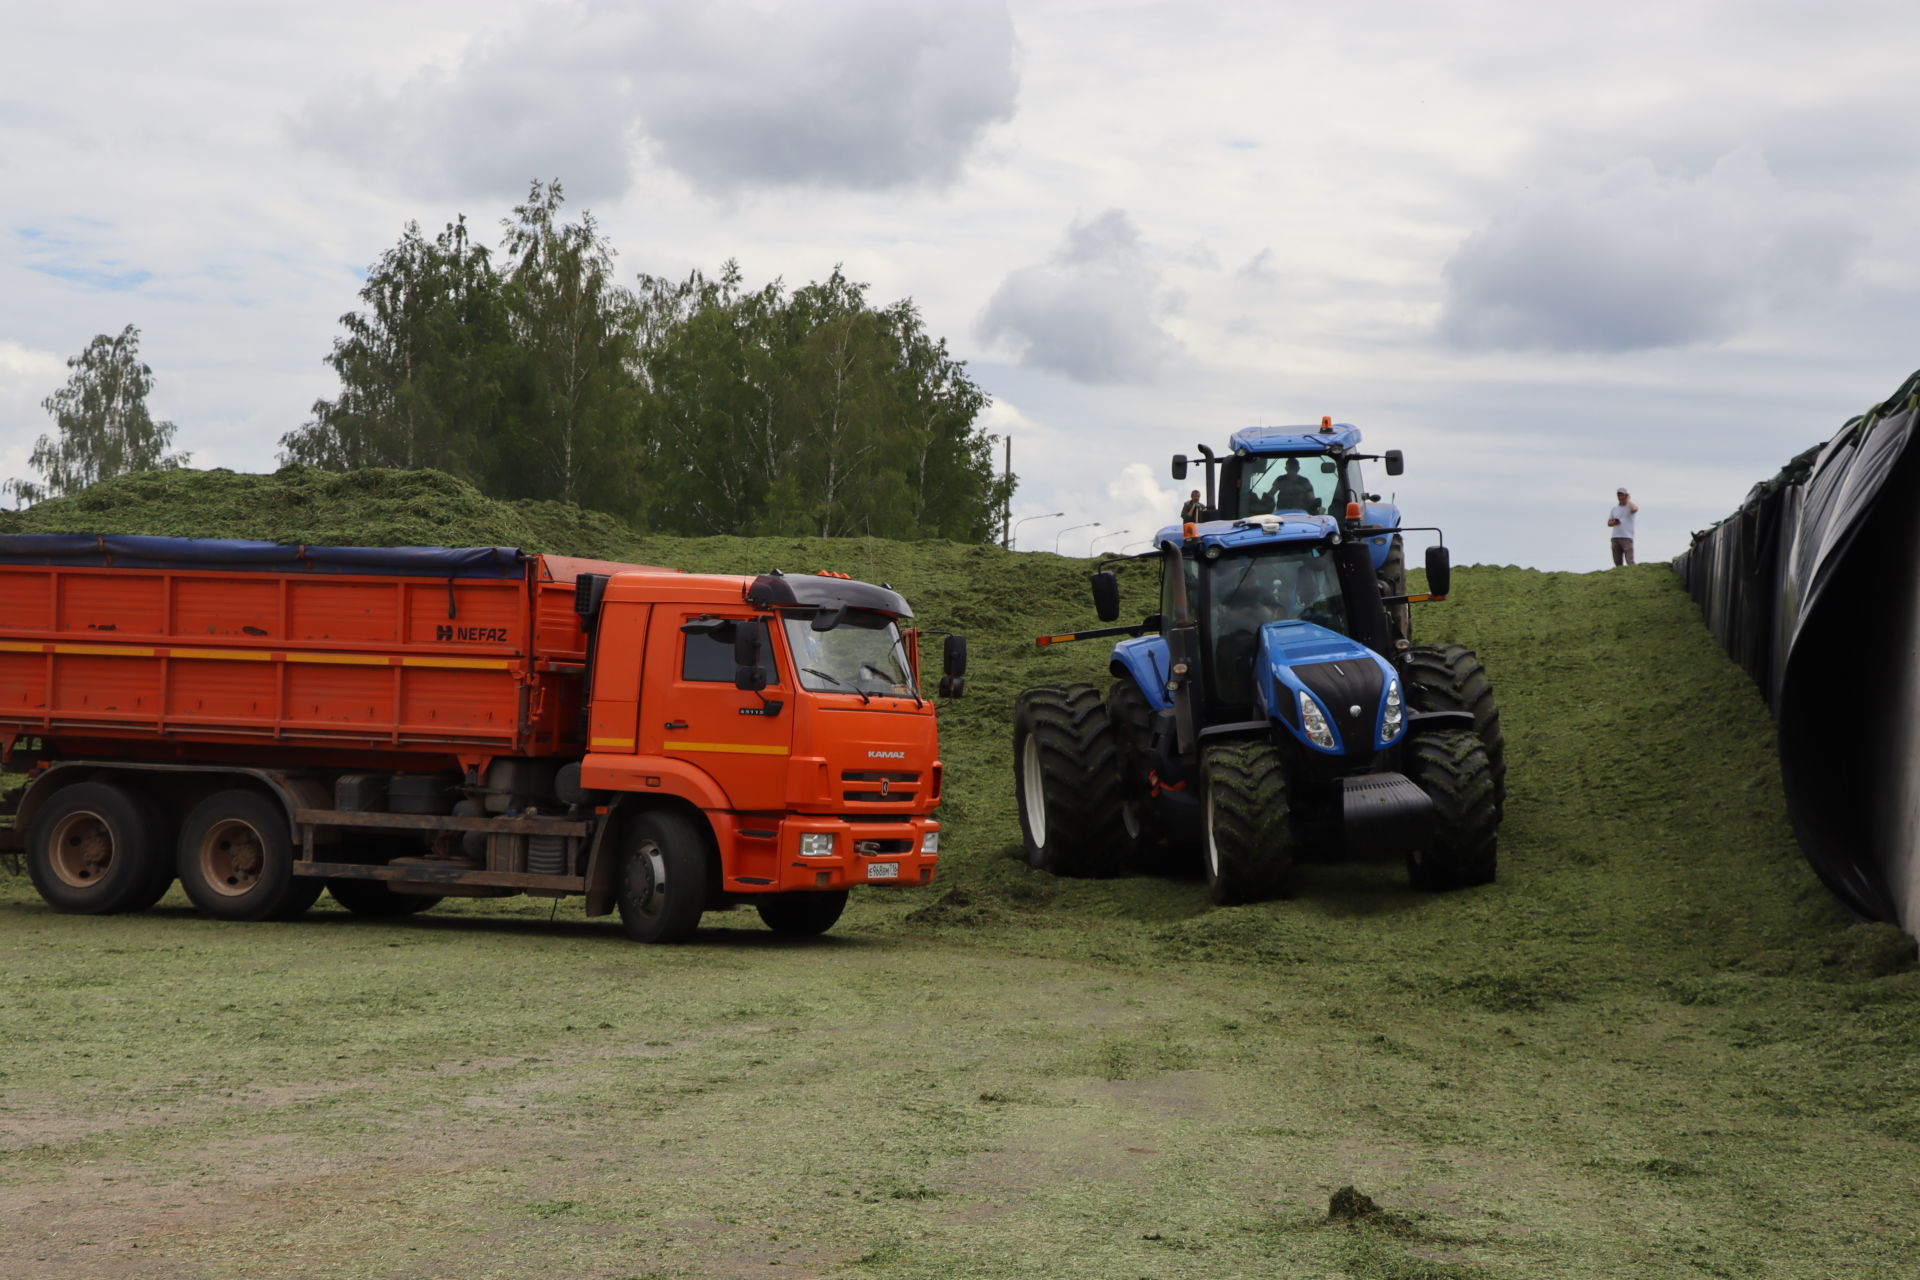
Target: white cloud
[1093,311]
[1630,258]
[852,94]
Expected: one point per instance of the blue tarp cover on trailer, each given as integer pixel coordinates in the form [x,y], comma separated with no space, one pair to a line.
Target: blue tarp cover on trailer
[87,550]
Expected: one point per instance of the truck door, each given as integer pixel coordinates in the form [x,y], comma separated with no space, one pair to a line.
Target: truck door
[691,711]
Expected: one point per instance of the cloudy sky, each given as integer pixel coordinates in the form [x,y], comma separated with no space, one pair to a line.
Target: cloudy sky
[1545,249]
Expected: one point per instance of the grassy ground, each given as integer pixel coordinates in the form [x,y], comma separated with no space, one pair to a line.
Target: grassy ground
[1654,1048]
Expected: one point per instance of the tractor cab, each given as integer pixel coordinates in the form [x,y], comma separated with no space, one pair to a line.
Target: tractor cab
[1302,471]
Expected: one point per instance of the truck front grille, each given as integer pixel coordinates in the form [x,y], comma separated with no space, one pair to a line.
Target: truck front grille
[880,786]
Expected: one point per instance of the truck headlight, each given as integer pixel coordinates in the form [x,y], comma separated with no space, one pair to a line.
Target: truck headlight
[931,844]
[1395,715]
[1319,733]
[816,844]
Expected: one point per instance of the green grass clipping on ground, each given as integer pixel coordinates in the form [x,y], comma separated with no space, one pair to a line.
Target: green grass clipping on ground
[1655,1048]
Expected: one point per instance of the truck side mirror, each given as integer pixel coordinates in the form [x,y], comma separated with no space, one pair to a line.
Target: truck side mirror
[747,672]
[1395,462]
[954,683]
[1439,571]
[1106,595]
[1179,466]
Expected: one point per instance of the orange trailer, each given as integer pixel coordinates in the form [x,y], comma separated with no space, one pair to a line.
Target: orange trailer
[399,725]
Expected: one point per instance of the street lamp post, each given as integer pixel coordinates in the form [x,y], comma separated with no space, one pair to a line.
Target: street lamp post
[1102,537]
[1013,538]
[1091,524]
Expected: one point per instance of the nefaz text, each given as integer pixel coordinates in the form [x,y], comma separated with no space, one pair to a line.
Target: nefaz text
[486,635]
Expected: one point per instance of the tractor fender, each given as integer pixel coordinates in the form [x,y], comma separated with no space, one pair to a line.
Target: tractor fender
[1381,515]
[1143,660]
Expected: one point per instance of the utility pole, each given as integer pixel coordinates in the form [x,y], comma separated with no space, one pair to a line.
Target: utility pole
[1006,503]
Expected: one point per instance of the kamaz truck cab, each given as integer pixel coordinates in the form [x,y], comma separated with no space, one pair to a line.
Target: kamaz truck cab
[1268,712]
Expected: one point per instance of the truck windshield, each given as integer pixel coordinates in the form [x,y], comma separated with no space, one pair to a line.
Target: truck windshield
[1269,584]
[1287,483]
[863,655]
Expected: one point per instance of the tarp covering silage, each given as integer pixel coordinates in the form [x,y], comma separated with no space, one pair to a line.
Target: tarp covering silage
[1811,586]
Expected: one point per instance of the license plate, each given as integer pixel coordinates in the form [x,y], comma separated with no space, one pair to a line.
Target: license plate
[883,871]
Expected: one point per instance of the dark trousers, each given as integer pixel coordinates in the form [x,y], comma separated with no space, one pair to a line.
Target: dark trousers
[1622,551]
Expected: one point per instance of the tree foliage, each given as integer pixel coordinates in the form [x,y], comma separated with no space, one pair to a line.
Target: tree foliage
[103,427]
[694,406]
[425,367]
[807,413]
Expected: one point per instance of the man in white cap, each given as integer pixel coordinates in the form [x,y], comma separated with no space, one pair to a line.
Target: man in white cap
[1620,521]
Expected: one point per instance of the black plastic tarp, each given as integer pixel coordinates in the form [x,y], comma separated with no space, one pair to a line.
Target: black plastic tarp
[88,550]
[1811,587]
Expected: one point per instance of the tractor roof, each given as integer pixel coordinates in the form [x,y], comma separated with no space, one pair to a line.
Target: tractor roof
[1234,535]
[1344,435]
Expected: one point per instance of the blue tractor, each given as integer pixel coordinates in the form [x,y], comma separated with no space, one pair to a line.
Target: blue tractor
[1275,709]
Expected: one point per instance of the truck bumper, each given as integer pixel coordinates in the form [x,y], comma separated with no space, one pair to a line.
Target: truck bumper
[884,854]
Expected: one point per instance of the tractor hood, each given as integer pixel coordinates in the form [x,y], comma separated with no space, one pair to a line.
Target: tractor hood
[1354,703]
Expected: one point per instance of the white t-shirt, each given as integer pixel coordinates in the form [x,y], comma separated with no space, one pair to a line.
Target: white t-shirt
[1624,514]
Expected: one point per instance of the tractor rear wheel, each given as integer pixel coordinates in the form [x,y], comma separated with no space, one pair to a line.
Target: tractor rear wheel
[1132,718]
[1249,826]
[373,899]
[1452,768]
[804,913]
[1393,582]
[1449,677]
[1066,776]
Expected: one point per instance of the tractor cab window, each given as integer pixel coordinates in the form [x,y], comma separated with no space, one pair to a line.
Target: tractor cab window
[1280,483]
[1245,592]
[863,653]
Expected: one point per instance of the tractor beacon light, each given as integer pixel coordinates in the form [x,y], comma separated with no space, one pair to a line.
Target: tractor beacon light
[1326,424]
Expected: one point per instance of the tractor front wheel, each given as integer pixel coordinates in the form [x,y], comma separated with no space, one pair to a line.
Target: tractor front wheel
[1066,776]
[1249,826]
[1450,677]
[1463,848]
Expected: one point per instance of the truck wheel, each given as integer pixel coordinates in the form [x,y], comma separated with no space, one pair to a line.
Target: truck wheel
[236,860]
[1393,582]
[1453,769]
[662,886]
[1132,718]
[373,899]
[1066,775]
[1449,677]
[1249,827]
[802,913]
[93,850]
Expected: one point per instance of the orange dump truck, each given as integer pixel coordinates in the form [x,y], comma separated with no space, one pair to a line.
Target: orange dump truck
[400,725]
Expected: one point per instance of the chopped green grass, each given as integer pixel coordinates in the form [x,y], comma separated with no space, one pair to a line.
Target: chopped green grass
[1655,1048]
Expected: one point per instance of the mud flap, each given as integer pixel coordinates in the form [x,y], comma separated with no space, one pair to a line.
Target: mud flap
[1384,814]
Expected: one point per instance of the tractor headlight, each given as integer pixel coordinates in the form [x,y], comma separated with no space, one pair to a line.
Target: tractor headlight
[1319,733]
[816,844]
[931,844]
[1395,717]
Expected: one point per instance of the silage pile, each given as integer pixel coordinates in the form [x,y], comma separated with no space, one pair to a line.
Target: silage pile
[301,505]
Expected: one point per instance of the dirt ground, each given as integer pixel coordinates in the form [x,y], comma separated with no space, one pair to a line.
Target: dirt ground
[1652,1049]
